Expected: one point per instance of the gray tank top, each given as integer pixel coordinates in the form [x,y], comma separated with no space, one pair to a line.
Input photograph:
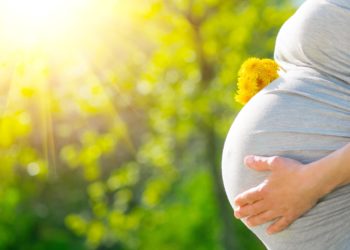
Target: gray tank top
[321,42]
[303,115]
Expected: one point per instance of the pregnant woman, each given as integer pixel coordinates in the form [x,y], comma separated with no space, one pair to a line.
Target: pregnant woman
[304,118]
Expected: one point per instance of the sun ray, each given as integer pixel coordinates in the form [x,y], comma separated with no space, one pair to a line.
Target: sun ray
[48,132]
[59,35]
[126,133]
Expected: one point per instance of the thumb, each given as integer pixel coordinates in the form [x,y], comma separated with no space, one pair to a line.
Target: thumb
[260,163]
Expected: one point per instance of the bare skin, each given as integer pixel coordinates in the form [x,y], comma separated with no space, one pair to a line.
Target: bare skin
[291,189]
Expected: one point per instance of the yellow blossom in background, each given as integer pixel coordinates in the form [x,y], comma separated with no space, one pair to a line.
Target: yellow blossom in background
[253,76]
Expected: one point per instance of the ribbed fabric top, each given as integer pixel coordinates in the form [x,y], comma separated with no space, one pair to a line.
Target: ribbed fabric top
[317,36]
[304,115]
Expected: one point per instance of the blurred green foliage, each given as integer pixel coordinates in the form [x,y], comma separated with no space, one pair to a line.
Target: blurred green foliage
[118,145]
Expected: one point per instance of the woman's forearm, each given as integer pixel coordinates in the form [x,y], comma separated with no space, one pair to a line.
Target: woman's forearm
[331,171]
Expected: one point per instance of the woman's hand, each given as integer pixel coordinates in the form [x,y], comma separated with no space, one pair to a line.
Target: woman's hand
[288,192]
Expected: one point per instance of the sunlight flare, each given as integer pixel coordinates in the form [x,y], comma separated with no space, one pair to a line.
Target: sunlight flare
[26,22]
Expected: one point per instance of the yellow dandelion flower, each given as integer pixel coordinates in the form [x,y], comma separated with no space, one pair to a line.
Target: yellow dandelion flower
[253,76]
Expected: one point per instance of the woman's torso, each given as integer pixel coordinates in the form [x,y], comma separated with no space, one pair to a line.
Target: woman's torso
[304,115]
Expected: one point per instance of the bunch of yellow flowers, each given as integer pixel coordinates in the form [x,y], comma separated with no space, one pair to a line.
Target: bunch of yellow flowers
[253,76]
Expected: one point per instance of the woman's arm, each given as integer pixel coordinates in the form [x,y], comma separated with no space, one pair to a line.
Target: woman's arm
[333,170]
[291,189]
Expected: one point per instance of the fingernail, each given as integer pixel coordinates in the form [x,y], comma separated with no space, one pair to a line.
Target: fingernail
[249,159]
[237,214]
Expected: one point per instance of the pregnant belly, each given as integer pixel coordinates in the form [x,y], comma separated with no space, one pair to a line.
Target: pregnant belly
[301,117]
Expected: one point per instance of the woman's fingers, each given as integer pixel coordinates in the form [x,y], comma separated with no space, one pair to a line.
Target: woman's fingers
[248,197]
[261,163]
[261,218]
[279,225]
[250,210]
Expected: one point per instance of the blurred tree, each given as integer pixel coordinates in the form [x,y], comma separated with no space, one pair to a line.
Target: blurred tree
[120,138]
[200,47]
